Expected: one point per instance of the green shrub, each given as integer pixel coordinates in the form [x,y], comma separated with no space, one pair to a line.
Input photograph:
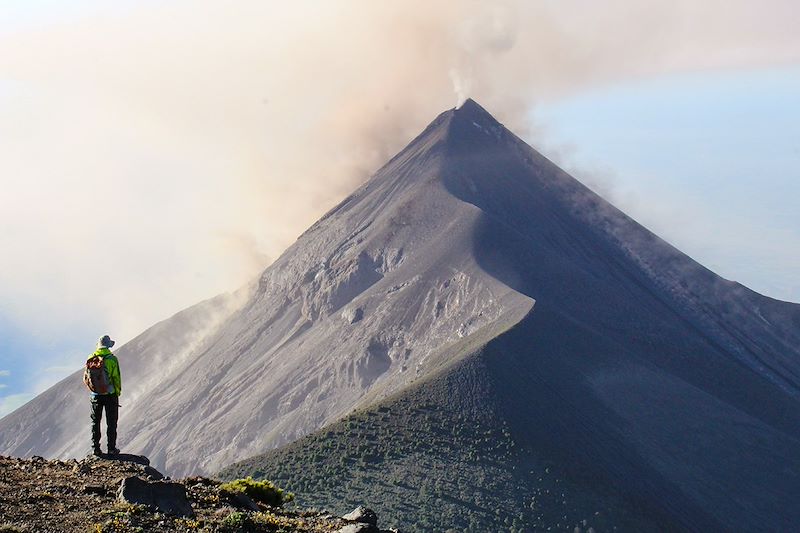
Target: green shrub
[259,491]
[236,520]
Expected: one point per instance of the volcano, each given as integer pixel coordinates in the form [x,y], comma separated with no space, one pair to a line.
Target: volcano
[478,340]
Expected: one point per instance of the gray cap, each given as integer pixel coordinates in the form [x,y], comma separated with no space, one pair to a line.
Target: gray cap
[105,342]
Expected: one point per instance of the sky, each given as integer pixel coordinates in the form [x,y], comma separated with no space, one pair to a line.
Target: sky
[154,154]
[709,161]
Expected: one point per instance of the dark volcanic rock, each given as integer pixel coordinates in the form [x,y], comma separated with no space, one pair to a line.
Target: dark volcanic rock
[152,473]
[363,515]
[242,501]
[94,489]
[124,457]
[167,497]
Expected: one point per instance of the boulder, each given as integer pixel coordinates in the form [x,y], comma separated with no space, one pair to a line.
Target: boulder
[129,458]
[363,515]
[95,489]
[121,457]
[242,501]
[81,468]
[166,497]
[358,527]
[353,315]
[152,473]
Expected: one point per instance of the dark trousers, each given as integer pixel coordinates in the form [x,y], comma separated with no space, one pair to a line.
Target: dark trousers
[109,402]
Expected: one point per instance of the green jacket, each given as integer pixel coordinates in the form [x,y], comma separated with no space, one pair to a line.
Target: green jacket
[112,367]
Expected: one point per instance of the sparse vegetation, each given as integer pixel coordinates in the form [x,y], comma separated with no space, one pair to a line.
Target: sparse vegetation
[236,520]
[259,491]
[434,464]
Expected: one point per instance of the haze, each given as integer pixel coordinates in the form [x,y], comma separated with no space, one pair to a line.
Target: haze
[155,155]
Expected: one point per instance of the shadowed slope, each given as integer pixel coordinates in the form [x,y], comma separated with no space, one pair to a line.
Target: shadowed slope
[554,230]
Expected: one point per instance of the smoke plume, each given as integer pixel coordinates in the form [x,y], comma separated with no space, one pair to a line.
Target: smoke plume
[155,155]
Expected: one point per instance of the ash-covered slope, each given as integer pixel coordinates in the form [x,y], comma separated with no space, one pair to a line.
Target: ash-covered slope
[667,386]
[55,423]
[353,311]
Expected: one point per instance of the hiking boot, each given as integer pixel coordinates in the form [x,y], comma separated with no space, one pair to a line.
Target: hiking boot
[97,452]
[113,451]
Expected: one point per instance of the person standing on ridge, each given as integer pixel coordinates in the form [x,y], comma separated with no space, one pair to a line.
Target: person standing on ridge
[102,377]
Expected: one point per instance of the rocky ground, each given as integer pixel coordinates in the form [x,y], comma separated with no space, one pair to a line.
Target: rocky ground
[125,494]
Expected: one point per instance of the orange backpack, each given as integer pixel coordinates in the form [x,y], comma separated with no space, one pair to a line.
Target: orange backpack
[95,376]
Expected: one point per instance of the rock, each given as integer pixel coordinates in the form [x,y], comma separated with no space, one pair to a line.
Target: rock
[168,498]
[80,468]
[363,515]
[94,489]
[128,457]
[200,480]
[242,501]
[358,527]
[152,473]
[353,315]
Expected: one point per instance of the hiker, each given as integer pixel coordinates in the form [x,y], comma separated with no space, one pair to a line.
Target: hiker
[103,379]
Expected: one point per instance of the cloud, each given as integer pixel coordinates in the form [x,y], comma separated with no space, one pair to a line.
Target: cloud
[5,372]
[13,401]
[158,156]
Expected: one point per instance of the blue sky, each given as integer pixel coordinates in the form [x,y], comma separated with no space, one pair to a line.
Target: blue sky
[154,154]
[710,161]
[31,361]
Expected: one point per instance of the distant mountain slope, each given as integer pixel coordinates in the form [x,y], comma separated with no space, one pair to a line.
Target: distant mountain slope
[550,426]
[677,390]
[55,423]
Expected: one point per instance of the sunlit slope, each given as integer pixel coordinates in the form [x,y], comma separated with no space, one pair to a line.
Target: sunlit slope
[354,310]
